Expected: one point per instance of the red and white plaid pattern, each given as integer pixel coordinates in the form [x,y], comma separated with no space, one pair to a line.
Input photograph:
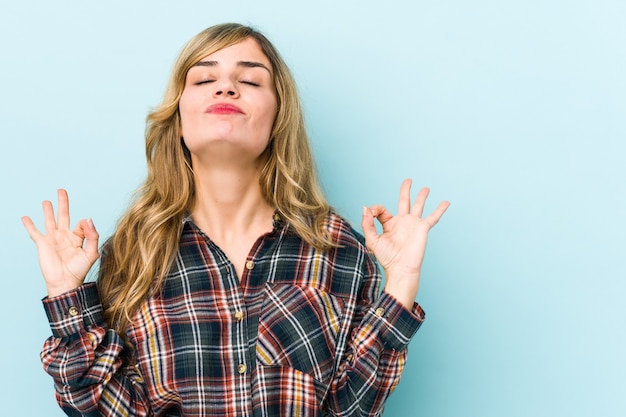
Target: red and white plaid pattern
[302,333]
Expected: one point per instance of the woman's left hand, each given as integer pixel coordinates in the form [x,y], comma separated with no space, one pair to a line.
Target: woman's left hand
[401,246]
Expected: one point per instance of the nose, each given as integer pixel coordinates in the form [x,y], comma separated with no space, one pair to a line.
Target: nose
[225,88]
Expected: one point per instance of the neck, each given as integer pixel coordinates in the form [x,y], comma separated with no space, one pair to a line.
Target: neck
[229,202]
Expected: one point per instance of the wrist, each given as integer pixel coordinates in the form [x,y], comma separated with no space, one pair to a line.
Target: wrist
[55,291]
[403,288]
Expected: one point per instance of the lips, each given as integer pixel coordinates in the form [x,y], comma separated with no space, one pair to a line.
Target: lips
[223,108]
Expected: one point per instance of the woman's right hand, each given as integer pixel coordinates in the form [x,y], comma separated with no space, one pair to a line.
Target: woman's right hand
[63,260]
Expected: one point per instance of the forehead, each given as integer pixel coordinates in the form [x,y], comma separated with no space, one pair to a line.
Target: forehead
[248,50]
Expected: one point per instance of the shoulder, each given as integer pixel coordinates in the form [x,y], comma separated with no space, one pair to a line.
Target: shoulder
[342,232]
[350,257]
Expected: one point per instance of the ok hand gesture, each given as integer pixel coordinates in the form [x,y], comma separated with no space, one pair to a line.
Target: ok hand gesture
[400,248]
[63,258]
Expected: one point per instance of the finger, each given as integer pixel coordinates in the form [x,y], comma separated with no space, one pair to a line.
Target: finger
[64,210]
[48,217]
[381,213]
[369,229]
[33,232]
[404,202]
[434,217]
[420,201]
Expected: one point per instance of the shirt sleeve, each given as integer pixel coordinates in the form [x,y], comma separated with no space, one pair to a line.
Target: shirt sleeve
[375,355]
[86,360]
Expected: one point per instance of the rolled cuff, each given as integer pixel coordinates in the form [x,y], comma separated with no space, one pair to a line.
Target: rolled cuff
[397,324]
[73,311]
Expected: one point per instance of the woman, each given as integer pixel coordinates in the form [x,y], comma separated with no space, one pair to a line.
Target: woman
[229,287]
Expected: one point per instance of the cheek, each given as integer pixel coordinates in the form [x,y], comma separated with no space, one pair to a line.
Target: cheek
[184,109]
[268,113]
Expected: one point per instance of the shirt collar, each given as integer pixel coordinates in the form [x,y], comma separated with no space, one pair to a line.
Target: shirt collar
[278,221]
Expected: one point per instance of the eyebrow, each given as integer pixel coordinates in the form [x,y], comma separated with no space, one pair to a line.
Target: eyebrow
[246,64]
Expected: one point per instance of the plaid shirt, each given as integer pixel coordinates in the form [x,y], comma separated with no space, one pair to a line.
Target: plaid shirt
[302,333]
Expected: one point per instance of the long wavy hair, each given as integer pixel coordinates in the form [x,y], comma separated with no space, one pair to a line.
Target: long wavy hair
[138,256]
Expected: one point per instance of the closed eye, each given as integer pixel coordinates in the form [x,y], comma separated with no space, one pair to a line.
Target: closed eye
[249,83]
[204,82]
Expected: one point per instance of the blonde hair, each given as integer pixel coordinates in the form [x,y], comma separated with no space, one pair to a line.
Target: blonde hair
[139,255]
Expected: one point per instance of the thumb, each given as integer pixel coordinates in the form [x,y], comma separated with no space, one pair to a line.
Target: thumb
[369,229]
[91,239]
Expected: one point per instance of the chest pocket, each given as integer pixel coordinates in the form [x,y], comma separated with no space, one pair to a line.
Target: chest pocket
[298,328]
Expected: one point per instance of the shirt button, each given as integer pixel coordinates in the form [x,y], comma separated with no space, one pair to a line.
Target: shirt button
[242,368]
[73,311]
[239,315]
[250,264]
[380,311]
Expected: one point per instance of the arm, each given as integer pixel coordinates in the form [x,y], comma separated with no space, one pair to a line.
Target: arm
[377,350]
[375,354]
[83,356]
[86,359]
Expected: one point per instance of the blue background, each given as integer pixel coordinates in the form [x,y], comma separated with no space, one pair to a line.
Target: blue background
[512,110]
